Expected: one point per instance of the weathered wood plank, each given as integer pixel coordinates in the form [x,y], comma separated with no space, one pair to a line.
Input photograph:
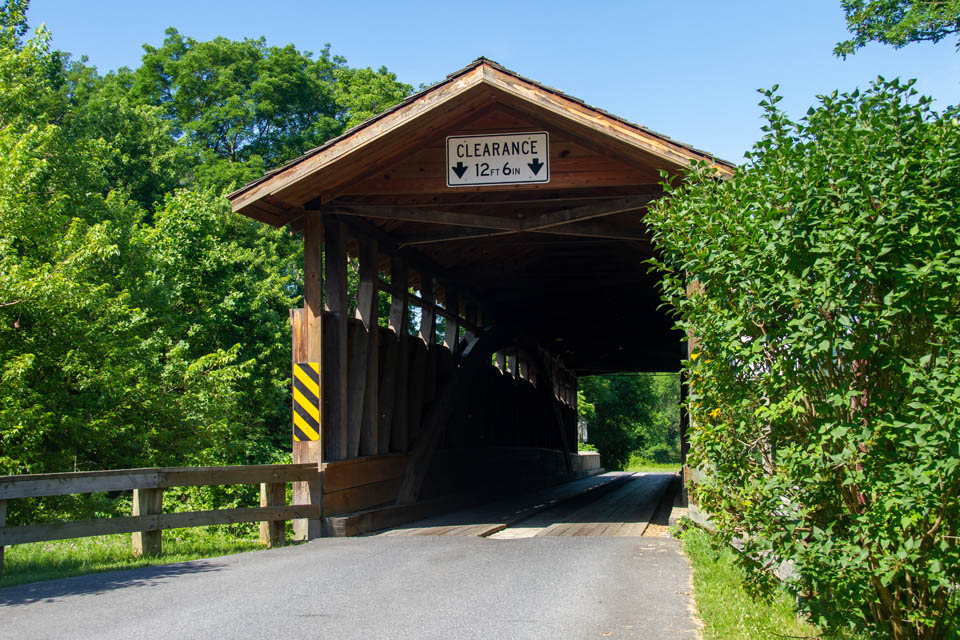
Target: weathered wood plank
[59,484]
[334,373]
[147,502]
[201,476]
[312,341]
[77,529]
[233,516]
[452,332]
[56,484]
[346,474]
[362,497]
[399,430]
[362,393]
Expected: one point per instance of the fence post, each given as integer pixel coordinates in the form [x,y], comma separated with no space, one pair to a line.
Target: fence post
[3,523]
[273,532]
[147,502]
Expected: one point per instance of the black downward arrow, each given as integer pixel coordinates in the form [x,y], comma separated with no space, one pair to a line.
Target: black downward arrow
[459,169]
[535,166]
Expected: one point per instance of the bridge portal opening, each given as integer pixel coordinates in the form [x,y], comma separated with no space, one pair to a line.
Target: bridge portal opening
[495,227]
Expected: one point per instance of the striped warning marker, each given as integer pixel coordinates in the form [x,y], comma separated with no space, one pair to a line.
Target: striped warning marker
[306,401]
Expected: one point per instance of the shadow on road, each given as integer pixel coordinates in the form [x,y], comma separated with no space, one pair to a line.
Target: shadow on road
[101,582]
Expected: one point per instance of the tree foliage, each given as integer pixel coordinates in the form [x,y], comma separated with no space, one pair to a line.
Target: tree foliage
[141,322]
[632,414]
[898,22]
[824,391]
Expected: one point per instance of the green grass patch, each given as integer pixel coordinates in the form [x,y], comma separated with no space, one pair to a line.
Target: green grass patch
[64,558]
[639,463]
[724,604]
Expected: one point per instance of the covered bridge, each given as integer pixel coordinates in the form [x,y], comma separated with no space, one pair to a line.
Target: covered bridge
[496,226]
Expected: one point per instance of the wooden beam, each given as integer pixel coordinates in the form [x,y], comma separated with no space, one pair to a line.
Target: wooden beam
[364,376]
[335,350]
[427,324]
[581,230]
[308,451]
[608,207]
[313,288]
[393,414]
[415,214]
[452,328]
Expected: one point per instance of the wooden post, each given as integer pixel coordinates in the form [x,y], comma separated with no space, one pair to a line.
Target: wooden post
[502,361]
[147,502]
[393,391]
[450,336]
[272,532]
[427,310]
[334,368]
[428,333]
[307,325]
[362,394]
[3,523]
[470,315]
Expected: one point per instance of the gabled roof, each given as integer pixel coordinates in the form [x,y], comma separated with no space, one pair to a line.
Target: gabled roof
[278,197]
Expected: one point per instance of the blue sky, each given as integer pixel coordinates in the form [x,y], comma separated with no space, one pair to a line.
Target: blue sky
[688,68]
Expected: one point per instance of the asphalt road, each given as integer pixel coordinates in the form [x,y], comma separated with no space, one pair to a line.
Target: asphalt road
[377,587]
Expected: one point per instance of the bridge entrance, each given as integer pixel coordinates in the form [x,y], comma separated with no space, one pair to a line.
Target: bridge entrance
[495,232]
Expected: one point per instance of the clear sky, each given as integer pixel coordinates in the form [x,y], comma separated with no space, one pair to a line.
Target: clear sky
[687,68]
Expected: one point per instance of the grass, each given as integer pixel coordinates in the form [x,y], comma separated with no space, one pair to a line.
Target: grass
[638,463]
[726,607]
[64,558]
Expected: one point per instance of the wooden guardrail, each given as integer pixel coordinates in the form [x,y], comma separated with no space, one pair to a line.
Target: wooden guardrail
[148,520]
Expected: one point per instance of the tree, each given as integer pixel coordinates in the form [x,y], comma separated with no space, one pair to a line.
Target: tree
[622,407]
[243,106]
[898,22]
[825,393]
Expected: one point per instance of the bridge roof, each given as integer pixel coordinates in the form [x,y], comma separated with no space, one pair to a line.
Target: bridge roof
[564,261]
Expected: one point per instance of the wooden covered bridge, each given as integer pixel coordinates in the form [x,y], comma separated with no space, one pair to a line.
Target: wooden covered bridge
[497,229]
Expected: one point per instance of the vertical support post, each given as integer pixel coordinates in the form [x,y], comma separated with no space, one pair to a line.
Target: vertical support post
[272,532]
[307,325]
[470,315]
[515,364]
[393,398]
[427,311]
[3,523]
[428,332]
[334,369]
[147,502]
[453,324]
[363,395]
[502,361]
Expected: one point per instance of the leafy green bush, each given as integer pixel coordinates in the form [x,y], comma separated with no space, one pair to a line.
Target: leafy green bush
[823,284]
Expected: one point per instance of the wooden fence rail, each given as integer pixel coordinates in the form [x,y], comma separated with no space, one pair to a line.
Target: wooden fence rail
[148,519]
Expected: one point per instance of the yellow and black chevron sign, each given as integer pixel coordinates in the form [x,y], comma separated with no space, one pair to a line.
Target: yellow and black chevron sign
[306,401]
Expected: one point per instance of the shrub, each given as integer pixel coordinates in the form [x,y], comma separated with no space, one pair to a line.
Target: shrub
[822,282]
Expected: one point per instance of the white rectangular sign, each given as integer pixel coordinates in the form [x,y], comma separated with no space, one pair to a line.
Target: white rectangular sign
[499,158]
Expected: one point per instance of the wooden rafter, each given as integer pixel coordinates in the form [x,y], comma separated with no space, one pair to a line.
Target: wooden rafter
[578,229]
[547,222]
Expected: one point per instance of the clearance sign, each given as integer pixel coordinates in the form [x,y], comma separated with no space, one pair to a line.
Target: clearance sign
[501,158]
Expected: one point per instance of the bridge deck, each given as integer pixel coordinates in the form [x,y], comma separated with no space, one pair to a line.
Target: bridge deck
[612,504]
